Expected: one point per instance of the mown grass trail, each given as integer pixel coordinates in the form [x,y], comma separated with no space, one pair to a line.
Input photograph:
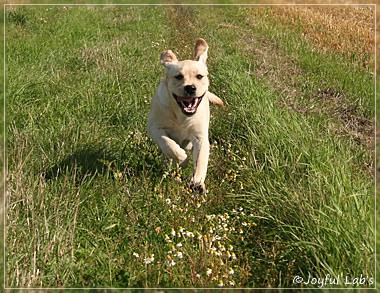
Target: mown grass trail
[91,202]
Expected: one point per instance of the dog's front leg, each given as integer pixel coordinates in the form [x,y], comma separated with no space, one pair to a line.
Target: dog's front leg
[169,147]
[201,152]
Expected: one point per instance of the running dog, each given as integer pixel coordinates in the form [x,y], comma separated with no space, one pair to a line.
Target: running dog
[179,114]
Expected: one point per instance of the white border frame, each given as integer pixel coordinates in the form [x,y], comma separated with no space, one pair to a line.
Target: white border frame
[5,163]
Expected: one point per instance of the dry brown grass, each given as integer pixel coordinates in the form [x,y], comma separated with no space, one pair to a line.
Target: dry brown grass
[347,30]
[343,30]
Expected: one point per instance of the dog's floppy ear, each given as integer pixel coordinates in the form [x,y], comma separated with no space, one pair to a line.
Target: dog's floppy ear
[168,57]
[201,48]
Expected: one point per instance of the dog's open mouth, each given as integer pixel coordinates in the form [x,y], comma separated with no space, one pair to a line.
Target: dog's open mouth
[188,105]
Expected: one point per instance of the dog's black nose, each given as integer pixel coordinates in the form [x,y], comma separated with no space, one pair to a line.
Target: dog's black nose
[190,89]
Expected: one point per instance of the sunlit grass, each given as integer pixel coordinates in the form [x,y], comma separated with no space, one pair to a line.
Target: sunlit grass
[91,201]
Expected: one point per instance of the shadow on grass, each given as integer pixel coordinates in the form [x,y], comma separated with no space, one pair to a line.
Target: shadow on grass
[93,160]
[87,161]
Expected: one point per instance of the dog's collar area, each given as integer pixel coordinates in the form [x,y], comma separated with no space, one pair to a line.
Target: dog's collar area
[188,105]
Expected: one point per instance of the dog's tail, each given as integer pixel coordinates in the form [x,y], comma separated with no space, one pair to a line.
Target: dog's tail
[215,99]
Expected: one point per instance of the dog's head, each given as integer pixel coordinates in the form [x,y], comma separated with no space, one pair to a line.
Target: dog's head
[187,80]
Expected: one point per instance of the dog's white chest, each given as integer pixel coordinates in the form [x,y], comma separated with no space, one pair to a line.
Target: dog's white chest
[184,129]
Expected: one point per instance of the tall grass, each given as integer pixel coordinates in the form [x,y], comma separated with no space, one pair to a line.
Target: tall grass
[91,201]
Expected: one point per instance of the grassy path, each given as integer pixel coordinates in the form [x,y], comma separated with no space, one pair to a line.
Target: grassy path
[91,202]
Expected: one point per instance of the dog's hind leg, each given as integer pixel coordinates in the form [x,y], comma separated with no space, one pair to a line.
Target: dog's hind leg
[214,99]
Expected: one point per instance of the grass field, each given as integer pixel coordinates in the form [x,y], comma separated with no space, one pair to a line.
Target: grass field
[91,201]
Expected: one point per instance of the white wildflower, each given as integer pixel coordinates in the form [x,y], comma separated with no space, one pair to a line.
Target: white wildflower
[149,260]
[190,234]
[179,254]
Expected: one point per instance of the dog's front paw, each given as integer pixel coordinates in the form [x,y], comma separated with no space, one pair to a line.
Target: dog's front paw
[198,187]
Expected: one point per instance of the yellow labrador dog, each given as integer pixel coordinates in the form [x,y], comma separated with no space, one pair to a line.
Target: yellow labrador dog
[179,113]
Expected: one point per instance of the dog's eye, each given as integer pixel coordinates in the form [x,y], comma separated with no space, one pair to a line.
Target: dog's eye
[179,76]
[199,76]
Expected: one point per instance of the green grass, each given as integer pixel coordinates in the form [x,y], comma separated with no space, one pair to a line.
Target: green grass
[91,202]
